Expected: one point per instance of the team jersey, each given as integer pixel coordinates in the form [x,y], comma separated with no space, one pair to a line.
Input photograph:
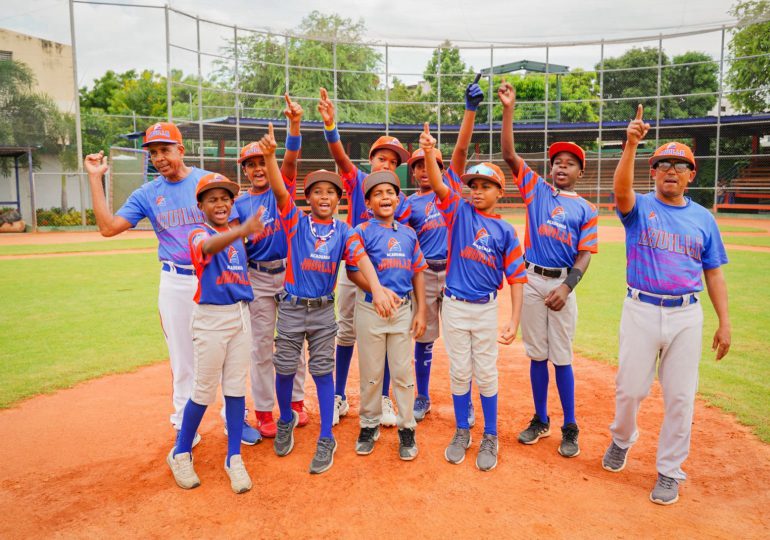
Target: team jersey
[172,210]
[223,277]
[482,248]
[668,247]
[357,211]
[270,244]
[393,249]
[314,254]
[559,224]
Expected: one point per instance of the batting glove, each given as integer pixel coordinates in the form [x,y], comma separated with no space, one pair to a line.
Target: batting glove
[473,97]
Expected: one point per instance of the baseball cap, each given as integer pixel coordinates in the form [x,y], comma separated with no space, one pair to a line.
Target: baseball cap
[485,171]
[673,150]
[381,177]
[390,143]
[216,180]
[419,154]
[162,132]
[570,147]
[249,151]
[322,175]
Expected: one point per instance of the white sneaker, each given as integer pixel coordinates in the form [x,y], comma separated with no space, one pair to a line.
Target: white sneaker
[240,480]
[388,417]
[341,408]
[183,470]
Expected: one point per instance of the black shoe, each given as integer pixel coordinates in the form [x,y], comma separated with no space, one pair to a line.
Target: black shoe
[407,447]
[366,439]
[536,430]
[569,441]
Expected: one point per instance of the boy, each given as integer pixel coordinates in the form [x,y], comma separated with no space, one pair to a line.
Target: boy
[386,154]
[482,248]
[267,270]
[561,236]
[395,253]
[220,331]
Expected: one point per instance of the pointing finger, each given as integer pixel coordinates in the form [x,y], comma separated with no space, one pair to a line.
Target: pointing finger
[426,128]
[478,76]
[288,99]
[324,94]
[639,111]
[270,130]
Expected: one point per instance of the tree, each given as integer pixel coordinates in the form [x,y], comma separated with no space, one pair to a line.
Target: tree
[691,73]
[407,104]
[454,77]
[750,49]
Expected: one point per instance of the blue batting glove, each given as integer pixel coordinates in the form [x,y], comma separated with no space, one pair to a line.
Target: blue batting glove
[474,95]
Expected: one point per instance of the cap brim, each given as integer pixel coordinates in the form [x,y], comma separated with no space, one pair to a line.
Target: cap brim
[413,160]
[331,178]
[467,178]
[232,187]
[572,148]
[655,159]
[166,141]
[402,154]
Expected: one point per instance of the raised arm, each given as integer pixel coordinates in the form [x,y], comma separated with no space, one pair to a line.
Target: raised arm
[268,145]
[109,224]
[428,145]
[717,289]
[326,109]
[293,112]
[624,174]
[473,98]
[507,95]
[218,242]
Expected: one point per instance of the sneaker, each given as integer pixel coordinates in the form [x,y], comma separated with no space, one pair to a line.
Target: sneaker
[388,417]
[537,430]
[183,470]
[284,438]
[299,406]
[324,455]
[666,490]
[249,436]
[366,439]
[265,424]
[195,442]
[569,441]
[455,452]
[471,415]
[341,408]
[614,459]
[421,407]
[407,446]
[486,460]
[240,480]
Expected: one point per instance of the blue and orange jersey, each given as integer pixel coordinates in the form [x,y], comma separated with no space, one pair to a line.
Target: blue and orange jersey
[559,223]
[668,247]
[223,277]
[172,209]
[270,244]
[482,249]
[357,211]
[393,249]
[315,249]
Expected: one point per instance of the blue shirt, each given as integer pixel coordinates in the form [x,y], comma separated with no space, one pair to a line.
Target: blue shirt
[357,211]
[223,277]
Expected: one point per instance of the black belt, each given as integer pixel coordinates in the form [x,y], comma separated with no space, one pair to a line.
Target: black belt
[436,265]
[174,269]
[306,302]
[676,301]
[547,272]
[268,269]
[485,300]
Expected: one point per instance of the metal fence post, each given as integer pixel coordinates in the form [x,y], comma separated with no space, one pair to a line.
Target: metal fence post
[387,93]
[200,94]
[601,126]
[237,101]
[490,117]
[660,81]
[719,117]
[78,134]
[545,122]
[168,66]
[438,97]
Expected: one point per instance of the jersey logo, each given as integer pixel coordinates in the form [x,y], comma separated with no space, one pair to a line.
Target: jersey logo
[160,200]
[481,241]
[393,246]
[558,214]
[395,141]
[320,246]
[232,255]
[652,215]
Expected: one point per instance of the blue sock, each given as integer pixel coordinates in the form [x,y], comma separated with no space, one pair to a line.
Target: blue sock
[283,386]
[325,389]
[565,382]
[234,407]
[191,419]
[538,376]
[342,367]
[423,357]
[489,406]
[461,409]
[386,379]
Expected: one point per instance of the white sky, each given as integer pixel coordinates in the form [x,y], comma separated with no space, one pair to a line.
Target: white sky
[120,38]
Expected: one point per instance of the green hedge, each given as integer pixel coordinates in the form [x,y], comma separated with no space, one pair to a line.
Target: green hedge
[55,217]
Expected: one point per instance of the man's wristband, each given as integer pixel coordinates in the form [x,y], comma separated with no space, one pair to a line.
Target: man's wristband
[294,142]
[573,278]
[331,134]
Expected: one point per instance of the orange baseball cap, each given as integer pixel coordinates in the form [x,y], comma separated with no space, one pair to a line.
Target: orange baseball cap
[673,150]
[249,151]
[216,180]
[419,154]
[390,143]
[485,171]
[162,132]
[570,147]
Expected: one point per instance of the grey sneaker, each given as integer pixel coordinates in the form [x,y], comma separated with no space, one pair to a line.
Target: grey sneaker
[455,452]
[366,439]
[324,455]
[569,441]
[666,490]
[240,480]
[614,459]
[182,468]
[407,446]
[537,430]
[471,415]
[421,407]
[284,437]
[486,460]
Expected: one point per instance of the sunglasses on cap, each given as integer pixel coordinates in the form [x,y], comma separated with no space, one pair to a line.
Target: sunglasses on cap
[483,169]
[679,166]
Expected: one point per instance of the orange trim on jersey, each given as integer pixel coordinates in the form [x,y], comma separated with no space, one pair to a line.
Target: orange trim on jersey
[493,216]
[590,223]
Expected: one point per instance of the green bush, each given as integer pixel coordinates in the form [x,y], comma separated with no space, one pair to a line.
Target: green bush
[55,217]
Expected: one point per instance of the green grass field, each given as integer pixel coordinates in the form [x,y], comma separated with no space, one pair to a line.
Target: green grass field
[111,245]
[738,228]
[758,241]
